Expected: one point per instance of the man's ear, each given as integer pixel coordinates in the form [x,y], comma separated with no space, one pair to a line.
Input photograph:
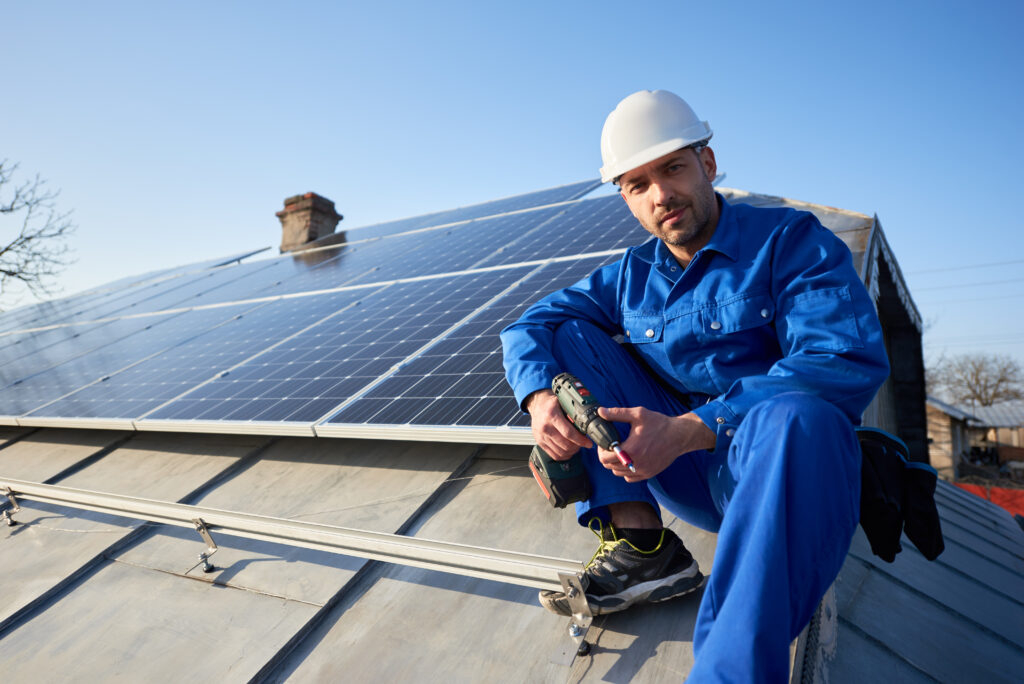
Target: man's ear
[707,160]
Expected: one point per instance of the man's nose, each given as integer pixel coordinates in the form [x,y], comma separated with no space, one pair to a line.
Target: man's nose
[661,193]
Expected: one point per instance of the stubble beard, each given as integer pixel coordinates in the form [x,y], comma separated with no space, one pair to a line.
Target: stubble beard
[693,227]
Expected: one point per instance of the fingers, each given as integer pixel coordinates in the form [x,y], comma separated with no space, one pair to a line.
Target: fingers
[611,461]
[560,439]
[551,429]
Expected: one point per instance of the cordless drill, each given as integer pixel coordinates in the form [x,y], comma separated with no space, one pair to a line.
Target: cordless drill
[565,482]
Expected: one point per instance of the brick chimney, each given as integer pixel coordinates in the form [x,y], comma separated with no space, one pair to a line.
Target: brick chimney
[305,219]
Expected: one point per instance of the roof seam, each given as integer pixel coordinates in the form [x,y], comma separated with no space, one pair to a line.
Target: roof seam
[884,646]
[945,607]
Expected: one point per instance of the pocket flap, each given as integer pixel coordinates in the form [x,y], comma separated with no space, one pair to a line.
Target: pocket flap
[743,314]
[643,329]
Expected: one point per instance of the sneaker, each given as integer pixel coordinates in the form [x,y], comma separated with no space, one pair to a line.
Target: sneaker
[621,575]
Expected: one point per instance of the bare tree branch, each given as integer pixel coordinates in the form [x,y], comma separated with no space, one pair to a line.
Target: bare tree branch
[33,233]
[978,379]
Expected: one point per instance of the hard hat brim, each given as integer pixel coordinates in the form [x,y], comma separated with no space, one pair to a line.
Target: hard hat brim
[612,171]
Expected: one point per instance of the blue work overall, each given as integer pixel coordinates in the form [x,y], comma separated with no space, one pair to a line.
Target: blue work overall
[781,489]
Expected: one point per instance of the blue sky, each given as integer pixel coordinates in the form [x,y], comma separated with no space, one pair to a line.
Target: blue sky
[175,130]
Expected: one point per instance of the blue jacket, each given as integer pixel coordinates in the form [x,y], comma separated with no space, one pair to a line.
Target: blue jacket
[771,304]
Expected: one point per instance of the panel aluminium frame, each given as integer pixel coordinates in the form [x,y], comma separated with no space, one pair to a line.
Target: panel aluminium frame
[539,572]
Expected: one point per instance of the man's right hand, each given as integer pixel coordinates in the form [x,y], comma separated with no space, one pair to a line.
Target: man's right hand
[551,429]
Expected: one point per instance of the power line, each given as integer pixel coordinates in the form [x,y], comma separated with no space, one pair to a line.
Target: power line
[933,302]
[964,268]
[989,282]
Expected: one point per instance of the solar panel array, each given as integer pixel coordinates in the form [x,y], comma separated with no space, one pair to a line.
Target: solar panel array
[392,334]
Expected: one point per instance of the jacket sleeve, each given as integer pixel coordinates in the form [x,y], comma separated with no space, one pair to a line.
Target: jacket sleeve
[530,363]
[827,328]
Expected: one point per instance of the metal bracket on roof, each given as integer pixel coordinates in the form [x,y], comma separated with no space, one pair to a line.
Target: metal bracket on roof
[11,522]
[211,546]
[580,622]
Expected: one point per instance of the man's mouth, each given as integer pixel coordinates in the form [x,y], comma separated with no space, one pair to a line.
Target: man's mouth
[672,218]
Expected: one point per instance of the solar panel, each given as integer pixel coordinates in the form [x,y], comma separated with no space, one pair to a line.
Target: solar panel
[103,361]
[209,350]
[164,273]
[307,376]
[36,352]
[108,299]
[393,335]
[529,200]
[588,226]
[460,381]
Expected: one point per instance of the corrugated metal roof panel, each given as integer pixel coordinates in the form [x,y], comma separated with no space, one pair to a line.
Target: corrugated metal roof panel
[1004,414]
[290,614]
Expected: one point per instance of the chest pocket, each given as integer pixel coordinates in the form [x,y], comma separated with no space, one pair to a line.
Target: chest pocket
[643,329]
[743,314]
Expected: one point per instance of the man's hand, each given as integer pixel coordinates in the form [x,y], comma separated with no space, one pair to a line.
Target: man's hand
[655,440]
[551,429]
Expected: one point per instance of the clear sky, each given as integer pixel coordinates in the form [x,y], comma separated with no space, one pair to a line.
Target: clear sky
[175,130]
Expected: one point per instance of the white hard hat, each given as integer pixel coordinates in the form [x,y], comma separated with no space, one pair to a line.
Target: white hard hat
[647,125]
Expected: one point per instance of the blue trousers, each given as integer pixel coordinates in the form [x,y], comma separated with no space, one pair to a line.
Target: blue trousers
[782,492]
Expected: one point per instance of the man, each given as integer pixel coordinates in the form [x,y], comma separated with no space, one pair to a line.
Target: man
[737,351]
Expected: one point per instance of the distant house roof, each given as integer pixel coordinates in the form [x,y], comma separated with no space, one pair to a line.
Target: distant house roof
[951,410]
[1008,414]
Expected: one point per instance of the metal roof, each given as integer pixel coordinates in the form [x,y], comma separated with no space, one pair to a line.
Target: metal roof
[1009,414]
[951,410]
[94,596]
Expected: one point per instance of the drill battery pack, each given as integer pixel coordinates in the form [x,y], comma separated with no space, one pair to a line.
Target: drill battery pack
[563,482]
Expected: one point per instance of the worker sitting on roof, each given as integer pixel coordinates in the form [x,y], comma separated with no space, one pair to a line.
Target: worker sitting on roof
[737,351]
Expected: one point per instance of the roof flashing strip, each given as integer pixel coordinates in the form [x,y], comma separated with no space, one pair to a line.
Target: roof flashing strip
[540,572]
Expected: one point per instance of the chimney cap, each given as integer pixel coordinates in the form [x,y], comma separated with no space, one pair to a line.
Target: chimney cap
[306,201]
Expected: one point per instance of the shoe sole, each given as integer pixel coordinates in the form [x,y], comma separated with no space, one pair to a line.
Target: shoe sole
[654,591]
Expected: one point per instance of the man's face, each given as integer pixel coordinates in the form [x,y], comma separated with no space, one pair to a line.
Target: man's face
[673,199]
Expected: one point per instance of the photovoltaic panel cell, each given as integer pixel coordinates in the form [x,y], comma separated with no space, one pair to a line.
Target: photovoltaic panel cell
[186,291]
[460,381]
[132,392]
[78,371]
[310,374]
[40,351]
[539,198]
[109,298]
[444,250]
[520,202]
[164,273]
[593,225]
[116,303]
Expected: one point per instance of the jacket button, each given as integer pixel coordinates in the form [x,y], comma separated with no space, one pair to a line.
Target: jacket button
[719,420]
[764,313]
[649,333]
[715,325]
[627,333]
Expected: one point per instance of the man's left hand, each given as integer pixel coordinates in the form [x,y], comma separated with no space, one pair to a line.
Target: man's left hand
[655,440]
